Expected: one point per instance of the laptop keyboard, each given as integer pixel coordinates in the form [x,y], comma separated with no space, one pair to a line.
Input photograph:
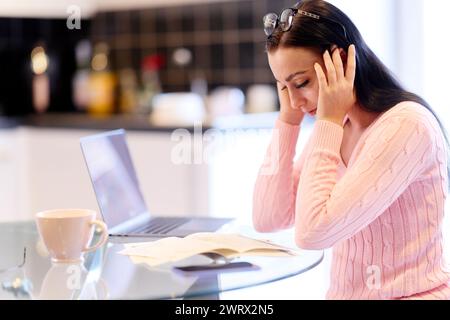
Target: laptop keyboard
[161,225]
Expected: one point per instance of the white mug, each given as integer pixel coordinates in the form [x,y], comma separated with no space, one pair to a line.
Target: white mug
[67,233]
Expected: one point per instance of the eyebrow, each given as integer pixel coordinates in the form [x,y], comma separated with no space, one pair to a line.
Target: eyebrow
[292,76]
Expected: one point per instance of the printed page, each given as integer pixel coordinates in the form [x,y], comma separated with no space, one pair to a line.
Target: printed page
[235,242]
[171,249]
[228,245]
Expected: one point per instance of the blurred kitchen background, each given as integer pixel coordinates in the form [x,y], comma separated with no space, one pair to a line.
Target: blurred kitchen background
[120,59]
[73,68]
[122,53]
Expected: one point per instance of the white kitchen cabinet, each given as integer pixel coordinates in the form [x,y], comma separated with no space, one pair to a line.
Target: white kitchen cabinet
[9,200]
[43,168]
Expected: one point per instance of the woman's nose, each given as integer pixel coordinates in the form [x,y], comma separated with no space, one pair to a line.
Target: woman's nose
[297,102]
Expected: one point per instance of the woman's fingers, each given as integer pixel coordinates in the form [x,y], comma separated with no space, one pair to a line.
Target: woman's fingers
[331,71]
[335,67]
[339,66]
[320,76]
[283,96]
[351,64]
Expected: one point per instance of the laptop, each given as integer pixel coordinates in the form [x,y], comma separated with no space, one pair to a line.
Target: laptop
[119,196]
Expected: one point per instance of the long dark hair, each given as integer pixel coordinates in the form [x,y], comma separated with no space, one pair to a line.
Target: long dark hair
[377,90]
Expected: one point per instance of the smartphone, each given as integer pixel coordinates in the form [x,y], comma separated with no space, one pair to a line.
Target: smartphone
[215,268]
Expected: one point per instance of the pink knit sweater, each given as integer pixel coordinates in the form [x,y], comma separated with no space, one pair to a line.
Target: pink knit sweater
[382,215]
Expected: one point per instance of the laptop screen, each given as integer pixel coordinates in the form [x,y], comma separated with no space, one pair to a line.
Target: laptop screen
[113,177]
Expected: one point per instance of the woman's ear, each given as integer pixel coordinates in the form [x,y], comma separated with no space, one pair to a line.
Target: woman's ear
[343,57]
[342,53]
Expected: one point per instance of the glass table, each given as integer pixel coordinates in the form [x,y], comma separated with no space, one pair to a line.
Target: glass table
[26,271]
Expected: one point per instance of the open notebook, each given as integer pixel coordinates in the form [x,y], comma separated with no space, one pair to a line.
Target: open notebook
[228,245]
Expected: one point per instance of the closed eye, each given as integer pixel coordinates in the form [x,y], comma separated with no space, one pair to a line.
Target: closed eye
[304,84]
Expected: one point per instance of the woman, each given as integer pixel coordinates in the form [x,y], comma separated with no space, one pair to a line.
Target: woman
[372,180]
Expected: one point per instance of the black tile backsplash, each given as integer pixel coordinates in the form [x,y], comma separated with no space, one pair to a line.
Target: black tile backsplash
[161,22]
[226,40]
[216,19]
[111,22]
[247,55]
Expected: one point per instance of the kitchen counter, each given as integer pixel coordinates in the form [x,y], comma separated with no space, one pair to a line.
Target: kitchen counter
[84,121]
[134,122]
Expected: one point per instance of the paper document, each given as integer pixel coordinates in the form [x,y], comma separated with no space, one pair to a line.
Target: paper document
[228,245]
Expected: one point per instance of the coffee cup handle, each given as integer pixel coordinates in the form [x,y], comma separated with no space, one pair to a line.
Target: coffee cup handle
[103,238]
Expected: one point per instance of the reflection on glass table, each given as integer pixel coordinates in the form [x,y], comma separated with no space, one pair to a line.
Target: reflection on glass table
[105,274]
[14,281]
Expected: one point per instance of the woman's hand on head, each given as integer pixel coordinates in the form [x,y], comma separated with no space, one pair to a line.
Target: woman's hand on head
[288,113]
[336,86]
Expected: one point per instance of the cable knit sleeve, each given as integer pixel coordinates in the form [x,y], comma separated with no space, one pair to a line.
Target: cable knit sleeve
[276,185]
[327,210]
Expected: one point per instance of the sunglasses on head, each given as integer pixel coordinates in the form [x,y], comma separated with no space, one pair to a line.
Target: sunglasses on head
[285,20]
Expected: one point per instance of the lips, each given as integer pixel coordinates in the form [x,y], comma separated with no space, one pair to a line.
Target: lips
[313,112]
